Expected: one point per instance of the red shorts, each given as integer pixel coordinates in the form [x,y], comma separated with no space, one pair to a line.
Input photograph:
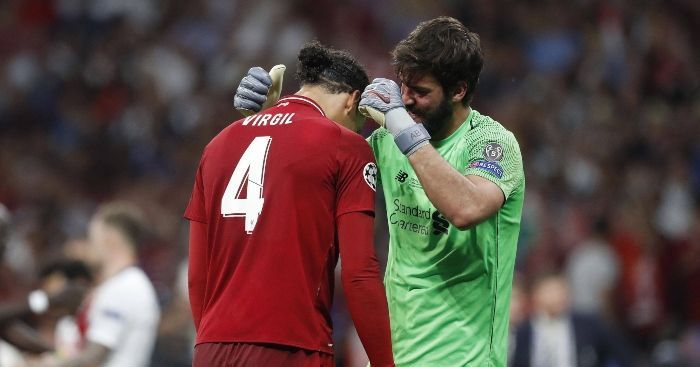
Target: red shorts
[254,355]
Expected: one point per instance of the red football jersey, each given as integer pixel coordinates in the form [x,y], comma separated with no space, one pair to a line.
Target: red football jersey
[269,188]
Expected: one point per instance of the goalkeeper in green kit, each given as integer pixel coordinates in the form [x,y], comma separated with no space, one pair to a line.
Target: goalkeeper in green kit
[454,186]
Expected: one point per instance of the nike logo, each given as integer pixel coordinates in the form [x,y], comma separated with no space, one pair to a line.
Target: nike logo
[384,98]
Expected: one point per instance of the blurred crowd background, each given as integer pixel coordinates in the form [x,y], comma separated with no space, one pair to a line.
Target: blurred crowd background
[115,99]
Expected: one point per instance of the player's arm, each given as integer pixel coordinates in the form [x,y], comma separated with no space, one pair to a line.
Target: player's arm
[94,355]
[38,301]
[20,334]
[196,276]
[25,338]
[363,287]
[11,311]
[464,200]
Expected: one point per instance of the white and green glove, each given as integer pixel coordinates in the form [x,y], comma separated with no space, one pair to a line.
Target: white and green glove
[259,89]
[381,101]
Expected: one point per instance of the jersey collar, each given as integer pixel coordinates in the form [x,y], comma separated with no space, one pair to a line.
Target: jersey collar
[301,100]
[467,124]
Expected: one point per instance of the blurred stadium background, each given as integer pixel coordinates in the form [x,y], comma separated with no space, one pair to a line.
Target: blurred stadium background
[115,99]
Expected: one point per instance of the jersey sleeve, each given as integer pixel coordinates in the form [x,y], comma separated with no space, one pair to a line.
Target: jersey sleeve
[496,157]
[357,178]
[108,319]
[196,207]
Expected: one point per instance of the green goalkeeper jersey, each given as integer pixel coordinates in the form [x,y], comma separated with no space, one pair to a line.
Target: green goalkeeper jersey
[449,289]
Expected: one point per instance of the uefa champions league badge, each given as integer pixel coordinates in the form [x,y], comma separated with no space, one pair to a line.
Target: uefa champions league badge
[370,175]
[493,152]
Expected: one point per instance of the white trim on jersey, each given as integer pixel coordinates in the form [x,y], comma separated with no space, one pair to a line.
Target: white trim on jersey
[306,100]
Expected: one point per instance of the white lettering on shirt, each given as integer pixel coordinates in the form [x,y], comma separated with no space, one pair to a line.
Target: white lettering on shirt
[268,118]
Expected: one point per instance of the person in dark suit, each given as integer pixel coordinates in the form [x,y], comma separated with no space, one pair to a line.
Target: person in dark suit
[554,336]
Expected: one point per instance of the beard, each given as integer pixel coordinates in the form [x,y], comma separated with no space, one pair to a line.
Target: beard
[435,119]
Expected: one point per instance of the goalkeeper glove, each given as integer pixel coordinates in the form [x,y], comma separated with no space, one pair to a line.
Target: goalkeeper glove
[381,101]
[259,89]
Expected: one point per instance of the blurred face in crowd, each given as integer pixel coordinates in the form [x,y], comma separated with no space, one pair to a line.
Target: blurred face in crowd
[77,248]
[55,283]
[426,102]
[551,297]
[100,236]
[518,305]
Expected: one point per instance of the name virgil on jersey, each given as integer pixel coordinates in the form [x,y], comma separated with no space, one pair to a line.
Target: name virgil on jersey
[265,119]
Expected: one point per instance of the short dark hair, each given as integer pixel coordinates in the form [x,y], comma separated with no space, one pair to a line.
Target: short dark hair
[335,70]
[72,270]
[444,48]
[126,218]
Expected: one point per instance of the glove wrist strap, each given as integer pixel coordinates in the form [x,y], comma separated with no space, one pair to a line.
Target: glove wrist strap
[412,138]
[398,120]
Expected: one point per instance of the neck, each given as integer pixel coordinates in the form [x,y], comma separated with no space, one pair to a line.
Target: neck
[330,103]
[459,115]
[116,263]
[315,93]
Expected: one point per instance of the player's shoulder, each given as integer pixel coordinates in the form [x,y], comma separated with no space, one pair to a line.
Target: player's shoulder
[352,143]
[348,135]
[127,288]
[379,135]
[485,128]
[382,143]
[480,121]
[131,279]
[220,139]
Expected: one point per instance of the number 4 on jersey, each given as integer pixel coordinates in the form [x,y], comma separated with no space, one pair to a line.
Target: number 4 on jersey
[250,168]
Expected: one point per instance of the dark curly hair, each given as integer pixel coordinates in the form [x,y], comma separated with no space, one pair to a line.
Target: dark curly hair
[444,48]
[337,71]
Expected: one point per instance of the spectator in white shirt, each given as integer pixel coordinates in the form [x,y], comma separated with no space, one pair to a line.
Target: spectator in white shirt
[119,319]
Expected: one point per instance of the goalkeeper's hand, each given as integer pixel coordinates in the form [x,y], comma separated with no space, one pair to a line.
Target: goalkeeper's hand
[381,101]
[258,90]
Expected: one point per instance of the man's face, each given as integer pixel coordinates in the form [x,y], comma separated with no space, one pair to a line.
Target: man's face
[426,102]
[98,234]
[551,297]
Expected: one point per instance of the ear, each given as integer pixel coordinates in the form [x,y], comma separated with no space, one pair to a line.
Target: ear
[351,102]
[459,92]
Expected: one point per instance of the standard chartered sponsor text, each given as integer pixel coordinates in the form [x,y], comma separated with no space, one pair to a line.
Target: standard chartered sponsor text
[410,217]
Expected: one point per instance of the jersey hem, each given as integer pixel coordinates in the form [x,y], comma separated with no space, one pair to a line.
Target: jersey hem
[193,218]
[266,341]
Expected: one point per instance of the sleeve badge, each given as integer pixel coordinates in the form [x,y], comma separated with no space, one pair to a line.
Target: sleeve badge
[370,175]
[493,152]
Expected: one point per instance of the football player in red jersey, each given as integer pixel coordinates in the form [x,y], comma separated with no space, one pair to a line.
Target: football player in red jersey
[278,196]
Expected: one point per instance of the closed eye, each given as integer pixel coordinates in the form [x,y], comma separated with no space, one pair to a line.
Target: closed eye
[420,91]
